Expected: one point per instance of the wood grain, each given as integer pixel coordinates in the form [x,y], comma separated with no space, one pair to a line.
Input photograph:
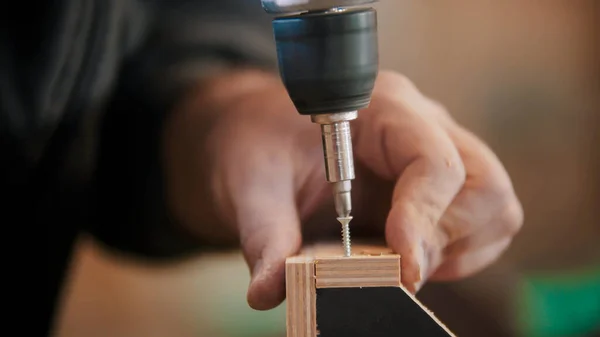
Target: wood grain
[358,271]
[323,268]
[301,297]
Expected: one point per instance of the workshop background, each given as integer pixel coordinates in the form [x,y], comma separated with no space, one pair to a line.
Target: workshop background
[524,75]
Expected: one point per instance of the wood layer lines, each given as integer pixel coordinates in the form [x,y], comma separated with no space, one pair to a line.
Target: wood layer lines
[325,267]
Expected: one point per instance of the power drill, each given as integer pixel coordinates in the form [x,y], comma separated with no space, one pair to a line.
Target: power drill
[328,60]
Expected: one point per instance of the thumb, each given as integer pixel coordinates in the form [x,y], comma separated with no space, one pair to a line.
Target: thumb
[269,228]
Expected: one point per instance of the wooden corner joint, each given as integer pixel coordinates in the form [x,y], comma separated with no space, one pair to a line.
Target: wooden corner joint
[323,267]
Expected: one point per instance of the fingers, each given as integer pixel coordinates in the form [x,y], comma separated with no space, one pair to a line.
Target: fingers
[263,208]
[453,205]
[503,224]
[487,209]
[396,138]
[254,185]
[470,263]
[421,196]
[417,243]
[269,233]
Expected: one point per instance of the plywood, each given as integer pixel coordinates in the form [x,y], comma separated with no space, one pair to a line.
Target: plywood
[357,271]
[301,294]
[331,295]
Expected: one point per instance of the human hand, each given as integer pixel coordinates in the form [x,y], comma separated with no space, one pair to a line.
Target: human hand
[243,166]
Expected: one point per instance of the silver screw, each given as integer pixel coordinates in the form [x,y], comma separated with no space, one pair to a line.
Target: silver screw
[346,235]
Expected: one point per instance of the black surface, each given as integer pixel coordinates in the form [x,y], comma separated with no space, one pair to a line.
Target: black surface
[328,62]
[372,312]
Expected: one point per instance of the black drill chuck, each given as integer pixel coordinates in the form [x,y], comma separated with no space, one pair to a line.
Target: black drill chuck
[328,60]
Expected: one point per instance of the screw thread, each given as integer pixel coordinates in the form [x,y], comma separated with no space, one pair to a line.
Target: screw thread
[346,239]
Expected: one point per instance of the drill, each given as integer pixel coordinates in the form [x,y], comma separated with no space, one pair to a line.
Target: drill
[328,59]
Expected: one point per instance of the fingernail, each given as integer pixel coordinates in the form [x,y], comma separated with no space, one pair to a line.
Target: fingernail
[422,261]
[254,275]
[256,270]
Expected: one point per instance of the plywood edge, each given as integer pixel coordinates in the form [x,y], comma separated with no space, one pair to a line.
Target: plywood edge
[358,271]
[324,266]
[333,250]
[301,297]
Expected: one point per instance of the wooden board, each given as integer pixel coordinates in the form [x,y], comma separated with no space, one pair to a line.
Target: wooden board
[329,295]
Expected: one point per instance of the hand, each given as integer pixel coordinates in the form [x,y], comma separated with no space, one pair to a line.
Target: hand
[243,166]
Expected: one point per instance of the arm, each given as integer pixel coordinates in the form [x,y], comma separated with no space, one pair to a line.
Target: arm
[183,43]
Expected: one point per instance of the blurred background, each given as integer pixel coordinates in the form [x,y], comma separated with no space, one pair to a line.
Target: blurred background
[524,76]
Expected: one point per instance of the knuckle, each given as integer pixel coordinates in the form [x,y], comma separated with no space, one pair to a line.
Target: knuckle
[499,185]
[440,111]
[454,226]
[496,180]
[457,169]
[511,216]
[390,82]
[400,81]
[445,161]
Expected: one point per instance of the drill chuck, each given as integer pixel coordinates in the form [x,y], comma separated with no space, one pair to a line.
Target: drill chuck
[328,60]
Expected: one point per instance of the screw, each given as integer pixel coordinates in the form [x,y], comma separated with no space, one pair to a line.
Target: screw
[346,235]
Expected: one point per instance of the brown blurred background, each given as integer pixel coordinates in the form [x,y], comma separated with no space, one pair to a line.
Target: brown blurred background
[524,75]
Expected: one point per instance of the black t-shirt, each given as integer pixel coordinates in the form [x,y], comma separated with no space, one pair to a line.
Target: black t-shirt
[84,88]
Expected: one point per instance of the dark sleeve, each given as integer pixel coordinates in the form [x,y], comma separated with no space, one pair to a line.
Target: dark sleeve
[182,42]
